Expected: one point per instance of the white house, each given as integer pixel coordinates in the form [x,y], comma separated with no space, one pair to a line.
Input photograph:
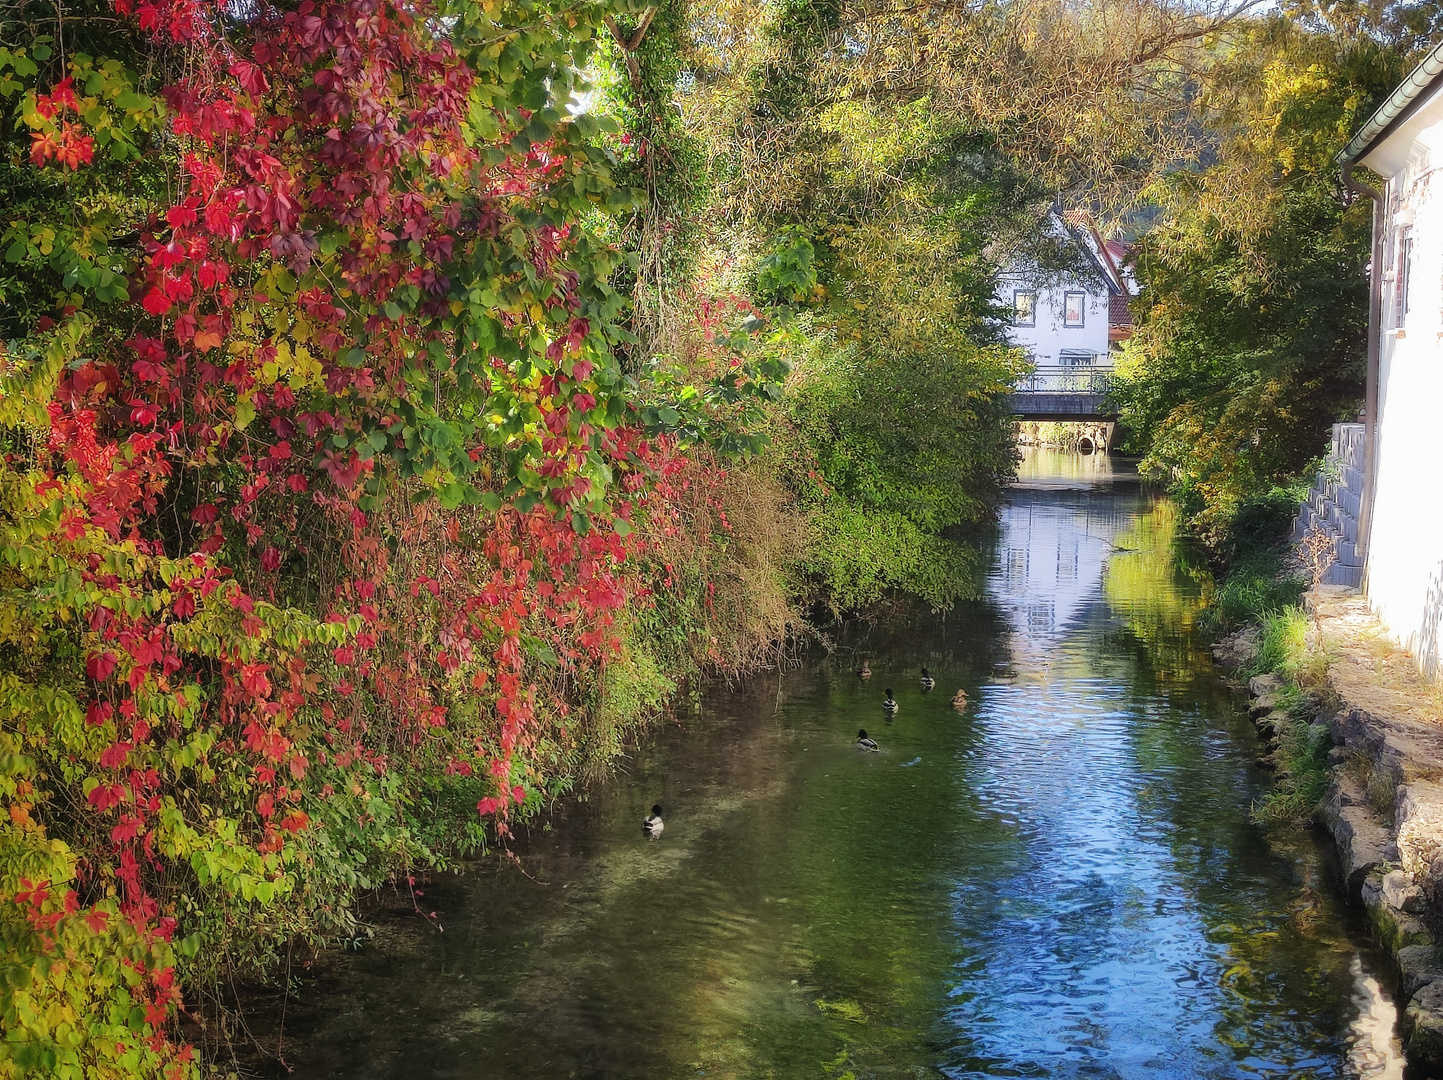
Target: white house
[1400,526]
[1074,320]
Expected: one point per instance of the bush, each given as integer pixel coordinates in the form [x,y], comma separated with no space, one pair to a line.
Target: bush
[1260,524]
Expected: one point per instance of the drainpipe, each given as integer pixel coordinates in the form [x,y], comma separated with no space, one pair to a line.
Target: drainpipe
[1370,393]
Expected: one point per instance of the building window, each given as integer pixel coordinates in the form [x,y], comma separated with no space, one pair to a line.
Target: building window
[1074,305]
[1403,265]
[1024,307]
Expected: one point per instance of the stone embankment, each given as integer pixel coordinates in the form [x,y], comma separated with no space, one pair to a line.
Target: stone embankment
[1384,804]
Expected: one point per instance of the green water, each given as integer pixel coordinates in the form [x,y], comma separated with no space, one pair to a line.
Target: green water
[1060,882]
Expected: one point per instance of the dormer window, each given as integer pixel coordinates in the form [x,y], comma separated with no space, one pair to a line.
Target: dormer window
[1074,308]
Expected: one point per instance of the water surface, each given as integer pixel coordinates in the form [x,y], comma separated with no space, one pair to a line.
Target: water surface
[1061,882]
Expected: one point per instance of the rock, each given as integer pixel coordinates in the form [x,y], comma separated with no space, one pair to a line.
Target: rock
[1423,1023]
[1261,706]
[1418,813]
[1399,892]
[1319,735]
[1371,891]
[1272,724]
[1403,749]
[1364,842]
[1237,650]
[1418,965]
[1339,755]
[1259,685]
[1391,928]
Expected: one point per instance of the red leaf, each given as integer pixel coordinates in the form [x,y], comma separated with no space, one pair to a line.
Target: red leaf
[156,302]
[128,829]
[99,665]
[115,754]
[149,370]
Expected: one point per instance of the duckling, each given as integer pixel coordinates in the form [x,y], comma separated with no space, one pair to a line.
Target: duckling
[959,700]
[927,681]
[652,824]
[866,742]
[865,671]
[889,704]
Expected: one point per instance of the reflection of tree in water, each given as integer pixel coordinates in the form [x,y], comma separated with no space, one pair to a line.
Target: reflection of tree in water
[1153,586]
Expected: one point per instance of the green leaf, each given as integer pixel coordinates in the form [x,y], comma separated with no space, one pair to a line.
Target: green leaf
[245,412]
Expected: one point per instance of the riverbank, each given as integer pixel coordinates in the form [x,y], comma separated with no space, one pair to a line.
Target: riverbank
[1053,881]
[1381,726]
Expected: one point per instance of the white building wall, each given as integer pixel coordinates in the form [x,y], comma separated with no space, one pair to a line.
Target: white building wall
[1404,578]
[1050,335]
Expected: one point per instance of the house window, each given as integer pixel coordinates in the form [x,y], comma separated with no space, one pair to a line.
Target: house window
[1024,307]
[1400,278]
[1074,305]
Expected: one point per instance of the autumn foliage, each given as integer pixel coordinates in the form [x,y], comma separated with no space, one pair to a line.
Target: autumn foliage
[318,479]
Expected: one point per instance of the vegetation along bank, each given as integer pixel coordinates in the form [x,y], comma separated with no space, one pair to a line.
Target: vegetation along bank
[399,402]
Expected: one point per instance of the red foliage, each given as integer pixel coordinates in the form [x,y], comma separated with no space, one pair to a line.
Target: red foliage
[339,136]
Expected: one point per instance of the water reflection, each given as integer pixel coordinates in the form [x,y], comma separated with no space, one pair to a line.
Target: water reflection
[1372,1038]
[1061,882]
[1054,543]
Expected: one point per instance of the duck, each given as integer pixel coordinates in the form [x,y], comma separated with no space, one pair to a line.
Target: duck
[889,704]
[959,700]
[865,671]
[927,681]
[652,824]
[866,742]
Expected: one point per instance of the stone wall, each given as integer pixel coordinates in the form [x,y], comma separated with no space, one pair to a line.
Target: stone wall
[1384,803]
[1329,517]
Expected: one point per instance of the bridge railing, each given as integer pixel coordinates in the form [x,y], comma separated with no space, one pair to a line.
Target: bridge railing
[1082,379]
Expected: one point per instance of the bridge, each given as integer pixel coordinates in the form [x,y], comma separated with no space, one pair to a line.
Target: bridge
[1063,394]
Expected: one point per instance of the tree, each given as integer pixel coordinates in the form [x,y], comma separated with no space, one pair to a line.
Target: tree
[1253,315]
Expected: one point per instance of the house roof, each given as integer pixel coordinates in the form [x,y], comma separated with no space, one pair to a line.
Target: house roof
[1401,104]
[1084,230]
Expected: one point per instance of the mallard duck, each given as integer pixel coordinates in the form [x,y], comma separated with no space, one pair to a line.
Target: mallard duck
[866,742]
[927,681]
[889,703]
[959,700]
[865,671]
[652,824]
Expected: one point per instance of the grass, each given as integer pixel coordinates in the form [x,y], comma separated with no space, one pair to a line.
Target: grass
[1256,587]
[1302,758]
[1282,643]
[1302,752]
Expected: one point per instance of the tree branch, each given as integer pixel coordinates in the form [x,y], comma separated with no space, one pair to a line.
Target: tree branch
[631,44]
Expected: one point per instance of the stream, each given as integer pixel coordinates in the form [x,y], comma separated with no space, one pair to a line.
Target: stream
[1063,881]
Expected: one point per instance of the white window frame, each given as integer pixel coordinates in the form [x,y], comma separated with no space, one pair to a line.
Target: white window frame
[1081,310]
[1402,271]
[1017,294]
